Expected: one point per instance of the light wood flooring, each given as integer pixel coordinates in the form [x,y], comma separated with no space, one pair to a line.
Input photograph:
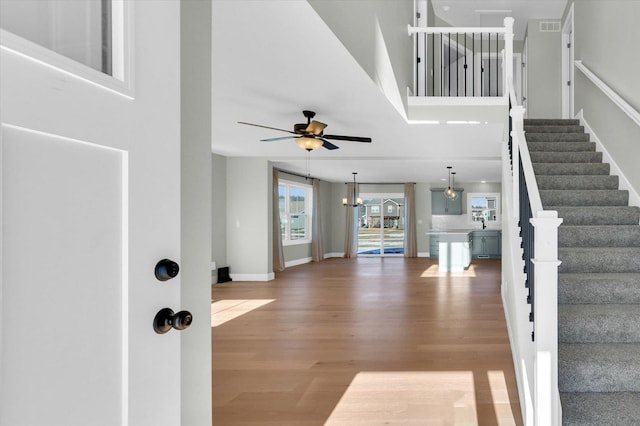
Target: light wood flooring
[364,341]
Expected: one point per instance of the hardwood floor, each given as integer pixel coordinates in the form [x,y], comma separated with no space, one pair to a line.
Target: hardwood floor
[364,341]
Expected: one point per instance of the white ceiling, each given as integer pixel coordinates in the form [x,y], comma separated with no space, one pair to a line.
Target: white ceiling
[274,58]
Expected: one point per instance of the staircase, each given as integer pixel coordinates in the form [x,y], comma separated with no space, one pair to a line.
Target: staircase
[599,278]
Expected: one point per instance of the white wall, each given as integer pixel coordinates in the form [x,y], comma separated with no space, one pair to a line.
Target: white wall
[359,26]
[606,35]
[195,188]
[544,71]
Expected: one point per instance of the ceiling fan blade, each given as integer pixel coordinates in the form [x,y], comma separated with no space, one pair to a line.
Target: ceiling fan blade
[265,127]
[347,138]
[315,127]
[328,145]
[278,139]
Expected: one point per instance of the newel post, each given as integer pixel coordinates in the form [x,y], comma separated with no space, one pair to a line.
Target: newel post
[508,51]
[517,130]
[547,398]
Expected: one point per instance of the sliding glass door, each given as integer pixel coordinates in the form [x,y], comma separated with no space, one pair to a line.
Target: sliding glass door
[381,225]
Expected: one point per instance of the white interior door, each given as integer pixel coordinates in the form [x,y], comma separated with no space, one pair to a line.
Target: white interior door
[90,202]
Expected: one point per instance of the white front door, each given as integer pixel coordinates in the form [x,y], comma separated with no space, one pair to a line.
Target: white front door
[90,203]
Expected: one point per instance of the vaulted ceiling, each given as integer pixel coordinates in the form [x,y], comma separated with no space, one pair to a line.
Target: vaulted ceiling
[272,59]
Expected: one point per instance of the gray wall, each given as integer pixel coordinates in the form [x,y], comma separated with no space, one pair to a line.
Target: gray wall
[606,35]
[333,214]
[218,212]
[354,24]
[195,188]
[544,72]
[249,217]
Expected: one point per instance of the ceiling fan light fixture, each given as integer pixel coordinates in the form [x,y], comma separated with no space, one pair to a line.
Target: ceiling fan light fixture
[309,144]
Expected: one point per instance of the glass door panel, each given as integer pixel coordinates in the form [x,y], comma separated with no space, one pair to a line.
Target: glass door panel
[369,236]
[381,225]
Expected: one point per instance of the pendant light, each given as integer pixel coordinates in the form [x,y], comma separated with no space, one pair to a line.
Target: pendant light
[450,192]
[356,201]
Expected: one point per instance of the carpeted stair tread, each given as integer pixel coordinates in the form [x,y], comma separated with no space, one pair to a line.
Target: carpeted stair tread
[620,288]
[574,182]
[599,367]
[597,215]
[528,128]
[599,259]
[599,323]
[551,121]
[598,278]
[599,236]
[572,169]
[557,137]
[566,157]
[600,408]
[584,197]
[562,146]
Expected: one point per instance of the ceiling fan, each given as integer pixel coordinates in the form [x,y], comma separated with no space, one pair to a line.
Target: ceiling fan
[310,136]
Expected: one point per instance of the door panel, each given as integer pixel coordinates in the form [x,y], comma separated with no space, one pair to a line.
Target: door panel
[90,203]
[63,230]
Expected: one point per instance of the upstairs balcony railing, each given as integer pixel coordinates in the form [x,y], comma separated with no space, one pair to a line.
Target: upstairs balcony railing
[468,62]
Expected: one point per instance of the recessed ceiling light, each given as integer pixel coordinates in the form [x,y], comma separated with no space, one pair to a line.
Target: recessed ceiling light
[443,179]
[446,8]
[483,181]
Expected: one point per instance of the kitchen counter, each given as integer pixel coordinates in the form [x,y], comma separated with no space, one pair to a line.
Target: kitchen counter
[453,247]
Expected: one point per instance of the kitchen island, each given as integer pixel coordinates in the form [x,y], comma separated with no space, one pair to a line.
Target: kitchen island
[453,248]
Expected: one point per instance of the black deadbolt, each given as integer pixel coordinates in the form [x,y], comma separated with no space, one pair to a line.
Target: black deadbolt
[166,319]
[166,269]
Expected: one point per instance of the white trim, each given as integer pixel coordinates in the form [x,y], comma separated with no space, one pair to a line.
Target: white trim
[527,406]
[634,198]
[621,103]
[424,254]
[445,30]
[468,101]
[297,262]
[252,277]
[286,243]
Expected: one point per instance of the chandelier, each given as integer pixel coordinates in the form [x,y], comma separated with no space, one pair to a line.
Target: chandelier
[356,201]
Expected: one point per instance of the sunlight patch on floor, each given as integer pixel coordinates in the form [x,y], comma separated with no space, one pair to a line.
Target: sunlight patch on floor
[434,271]
[420,398]
[226,310]
[500,395]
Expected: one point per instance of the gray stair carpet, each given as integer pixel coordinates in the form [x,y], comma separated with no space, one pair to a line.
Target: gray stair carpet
[598,279]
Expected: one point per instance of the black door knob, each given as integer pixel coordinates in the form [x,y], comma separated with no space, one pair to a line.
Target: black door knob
[166,269]
[166,319]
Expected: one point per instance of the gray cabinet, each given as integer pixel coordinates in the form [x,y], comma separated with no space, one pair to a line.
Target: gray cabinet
[434,246]
[442,205]
[487,245]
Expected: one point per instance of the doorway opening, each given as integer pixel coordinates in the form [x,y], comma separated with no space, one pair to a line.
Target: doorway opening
[381,225]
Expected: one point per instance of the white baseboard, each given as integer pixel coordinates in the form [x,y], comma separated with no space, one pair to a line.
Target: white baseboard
[634,199]
[297,262]
[334,254]
[424,254]
[253,277]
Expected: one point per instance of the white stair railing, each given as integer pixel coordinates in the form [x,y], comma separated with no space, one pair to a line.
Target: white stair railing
[538,229]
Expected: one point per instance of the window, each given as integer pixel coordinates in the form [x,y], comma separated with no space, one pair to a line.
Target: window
[80,30]
[295,212]
[483,207]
